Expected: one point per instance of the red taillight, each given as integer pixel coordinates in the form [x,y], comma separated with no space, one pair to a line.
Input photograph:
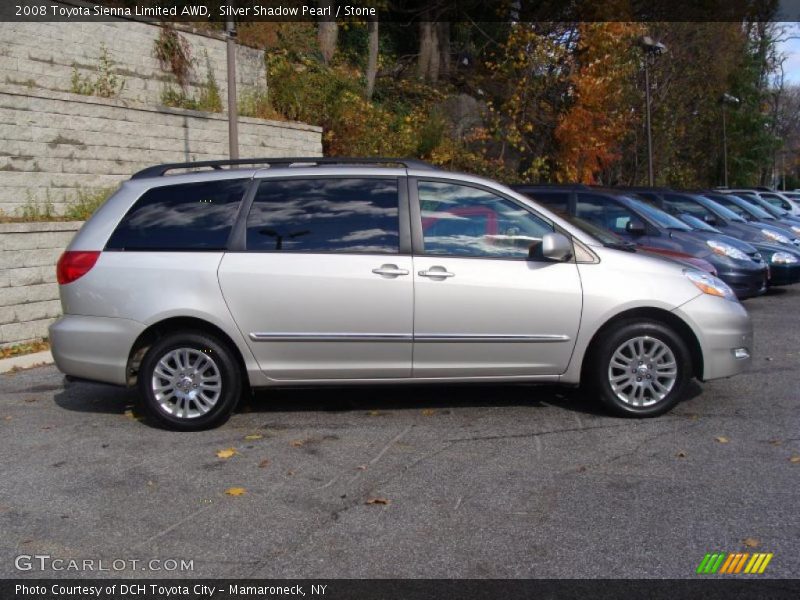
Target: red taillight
[73,265]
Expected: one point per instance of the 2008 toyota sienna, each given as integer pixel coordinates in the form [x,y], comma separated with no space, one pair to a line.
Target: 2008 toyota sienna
[234,275]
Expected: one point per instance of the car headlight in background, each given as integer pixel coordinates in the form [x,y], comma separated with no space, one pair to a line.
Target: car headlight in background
[776,237]
[783,258]
[724,249]
[708,284]
[796,228]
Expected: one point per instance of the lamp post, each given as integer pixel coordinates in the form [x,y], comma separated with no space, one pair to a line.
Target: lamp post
[233,116]
[651,49]
[725,100]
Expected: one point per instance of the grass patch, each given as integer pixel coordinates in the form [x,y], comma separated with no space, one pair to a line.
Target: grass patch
[39,345]
[79,208]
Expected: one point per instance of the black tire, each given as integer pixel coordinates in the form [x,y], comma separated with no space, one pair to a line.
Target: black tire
[599,370]
[175,412]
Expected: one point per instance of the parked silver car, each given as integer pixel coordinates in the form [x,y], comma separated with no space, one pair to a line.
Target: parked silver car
[200,285]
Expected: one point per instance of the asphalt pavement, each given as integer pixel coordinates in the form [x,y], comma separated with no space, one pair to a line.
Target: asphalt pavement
[454,482]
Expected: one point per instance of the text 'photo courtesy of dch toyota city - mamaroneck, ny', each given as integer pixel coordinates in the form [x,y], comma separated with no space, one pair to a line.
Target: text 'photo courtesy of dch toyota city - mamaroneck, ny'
[399,299]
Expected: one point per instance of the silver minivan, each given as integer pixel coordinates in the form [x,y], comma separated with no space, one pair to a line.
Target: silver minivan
[226,276]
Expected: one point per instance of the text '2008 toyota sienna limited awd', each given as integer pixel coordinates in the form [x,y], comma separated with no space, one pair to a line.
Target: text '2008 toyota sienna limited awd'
[275,272]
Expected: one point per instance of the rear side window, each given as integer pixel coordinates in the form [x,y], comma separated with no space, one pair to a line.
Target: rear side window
[194,216]
[325,215]
[555,201]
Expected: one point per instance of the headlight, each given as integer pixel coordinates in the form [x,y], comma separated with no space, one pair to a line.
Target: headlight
[708,284]
[784,258]
[796,228]
[724,249]
[776,237]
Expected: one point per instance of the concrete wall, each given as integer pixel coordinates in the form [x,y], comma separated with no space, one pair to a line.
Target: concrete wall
[53,144]
[42,55]
[28,289]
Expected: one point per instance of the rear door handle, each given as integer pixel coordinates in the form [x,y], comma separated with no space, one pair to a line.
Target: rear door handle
[390,271]
[437,272]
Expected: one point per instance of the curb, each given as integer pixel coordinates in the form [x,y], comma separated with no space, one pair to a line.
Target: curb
[26,361]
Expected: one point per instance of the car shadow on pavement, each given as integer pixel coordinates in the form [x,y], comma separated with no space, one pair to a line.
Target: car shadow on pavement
[99,398]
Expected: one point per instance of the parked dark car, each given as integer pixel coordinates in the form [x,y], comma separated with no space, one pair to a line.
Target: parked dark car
[755,214]
[760,200]
[700,211]
[737,263]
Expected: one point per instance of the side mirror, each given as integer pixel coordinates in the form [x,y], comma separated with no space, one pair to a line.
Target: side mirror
[710,219]
[635,227]
[556,246]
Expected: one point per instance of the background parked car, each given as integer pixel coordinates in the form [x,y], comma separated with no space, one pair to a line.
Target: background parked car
[783,259]
[779,213]
[755,214]
[738,263]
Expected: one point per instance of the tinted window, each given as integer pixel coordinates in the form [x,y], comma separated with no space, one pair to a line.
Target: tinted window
[658,216]
[325,215]
[194,216]
[603,212]
[555,201]
[459,220]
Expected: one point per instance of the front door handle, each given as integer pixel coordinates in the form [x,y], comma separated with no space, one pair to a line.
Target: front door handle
[390,271]
[436,273]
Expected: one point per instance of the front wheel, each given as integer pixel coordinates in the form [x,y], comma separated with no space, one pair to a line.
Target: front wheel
[640,369]
[189,381]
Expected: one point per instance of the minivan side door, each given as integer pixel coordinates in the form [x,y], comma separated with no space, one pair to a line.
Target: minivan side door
[482,308]
[322,288]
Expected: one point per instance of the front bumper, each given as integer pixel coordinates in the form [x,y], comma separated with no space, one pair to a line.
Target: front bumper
[784,274]
[722,327]
[745,283]
[95,348]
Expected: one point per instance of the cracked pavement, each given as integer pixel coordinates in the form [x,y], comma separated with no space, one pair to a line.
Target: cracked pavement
[481,481]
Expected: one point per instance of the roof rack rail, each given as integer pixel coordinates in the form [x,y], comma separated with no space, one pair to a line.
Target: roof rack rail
[161,170]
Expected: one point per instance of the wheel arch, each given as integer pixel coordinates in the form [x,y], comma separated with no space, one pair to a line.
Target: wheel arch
[655,314]
[170,325]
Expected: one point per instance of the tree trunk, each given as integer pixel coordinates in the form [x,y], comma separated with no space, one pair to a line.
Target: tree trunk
[426,45]
[372,57]
[328,32]
[444,48]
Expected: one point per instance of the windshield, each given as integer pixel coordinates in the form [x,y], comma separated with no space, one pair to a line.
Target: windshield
[659,217]
[776,211]
[753,208]
[696,223]
[743,209]
[723,211]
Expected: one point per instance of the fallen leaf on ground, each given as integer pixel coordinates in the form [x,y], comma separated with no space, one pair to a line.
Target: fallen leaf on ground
[7,418]
[290,473]
[374,413]
[795,459]
[383,501]
[236,491]
[751,542]
[31,399]
[263,464]
[297,443]
[775,442]
[361,468]
[427,412]
[681,454]
[722,439]
[253,437]
[227,453]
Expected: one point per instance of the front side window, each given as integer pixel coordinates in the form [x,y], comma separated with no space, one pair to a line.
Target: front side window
[459,220]
[194,216]
[604,213]
[325,215]
[555,201]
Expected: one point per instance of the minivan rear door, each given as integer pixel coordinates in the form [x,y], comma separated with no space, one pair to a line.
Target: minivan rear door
[320,287]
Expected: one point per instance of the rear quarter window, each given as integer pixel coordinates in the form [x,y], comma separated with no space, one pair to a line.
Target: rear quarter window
[194,216]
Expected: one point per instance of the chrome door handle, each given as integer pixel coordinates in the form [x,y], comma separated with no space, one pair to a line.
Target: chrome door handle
[435,272]
[390,271]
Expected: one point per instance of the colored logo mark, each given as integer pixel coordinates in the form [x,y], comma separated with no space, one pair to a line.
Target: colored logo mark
[735,563]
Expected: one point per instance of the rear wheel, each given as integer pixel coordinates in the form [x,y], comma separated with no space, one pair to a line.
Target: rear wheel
[189,381]
[640,369]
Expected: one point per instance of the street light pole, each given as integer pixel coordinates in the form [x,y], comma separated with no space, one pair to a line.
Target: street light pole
[725,100]
[651,50]
[233,111]
[650,177]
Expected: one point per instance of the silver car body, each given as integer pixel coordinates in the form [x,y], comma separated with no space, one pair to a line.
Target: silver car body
[331,318]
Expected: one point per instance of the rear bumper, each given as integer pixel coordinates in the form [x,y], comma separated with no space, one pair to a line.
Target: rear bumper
[745,283]
[95,348]
[722,327]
